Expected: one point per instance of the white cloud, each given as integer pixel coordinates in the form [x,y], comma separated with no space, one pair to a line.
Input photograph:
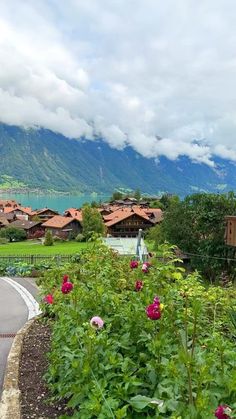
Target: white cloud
[126,70]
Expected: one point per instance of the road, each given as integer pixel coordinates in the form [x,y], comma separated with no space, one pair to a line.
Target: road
[13,315]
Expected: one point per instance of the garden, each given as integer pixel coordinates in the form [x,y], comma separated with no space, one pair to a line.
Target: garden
[133,340]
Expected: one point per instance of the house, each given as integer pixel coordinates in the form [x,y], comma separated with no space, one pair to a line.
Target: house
[63,226]
[74,213]
[44,214]
[33,229]
[230,230]
[126,222]
[155,214]
[8,203]
[19,212]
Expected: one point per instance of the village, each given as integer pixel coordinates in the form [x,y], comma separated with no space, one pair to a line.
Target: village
[122,218]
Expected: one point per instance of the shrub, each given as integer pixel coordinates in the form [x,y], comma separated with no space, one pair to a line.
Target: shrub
[80,238]
[171,356]
[48,239]
[14,234]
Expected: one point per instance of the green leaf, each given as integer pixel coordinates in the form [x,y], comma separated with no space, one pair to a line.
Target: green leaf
[140,402]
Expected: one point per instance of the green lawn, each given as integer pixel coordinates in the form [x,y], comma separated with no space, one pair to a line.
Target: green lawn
[31,247]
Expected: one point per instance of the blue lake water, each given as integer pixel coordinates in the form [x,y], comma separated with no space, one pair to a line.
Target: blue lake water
[56,202]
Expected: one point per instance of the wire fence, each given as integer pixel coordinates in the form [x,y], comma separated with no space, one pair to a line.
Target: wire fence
[34,259]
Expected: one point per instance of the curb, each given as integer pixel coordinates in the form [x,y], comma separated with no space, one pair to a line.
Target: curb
[10,400]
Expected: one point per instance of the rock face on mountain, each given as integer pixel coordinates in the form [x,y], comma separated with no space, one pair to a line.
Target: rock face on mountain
[43,159]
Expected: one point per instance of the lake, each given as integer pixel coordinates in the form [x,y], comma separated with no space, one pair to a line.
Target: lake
[56,202]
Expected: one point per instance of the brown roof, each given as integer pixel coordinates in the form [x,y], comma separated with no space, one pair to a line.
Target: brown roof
[42,210]
[124,213]
[25,224]
[58,221]
[157,213]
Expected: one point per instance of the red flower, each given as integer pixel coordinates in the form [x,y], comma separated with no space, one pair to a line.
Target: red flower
[65,279]
[222,412]
[49,299]
[153,311]
[133,264]
[67,287]
[138,285]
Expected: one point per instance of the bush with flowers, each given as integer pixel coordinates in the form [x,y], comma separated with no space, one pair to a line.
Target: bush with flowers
[134,342]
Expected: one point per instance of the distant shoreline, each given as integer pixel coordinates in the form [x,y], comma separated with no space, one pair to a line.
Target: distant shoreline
[36,191]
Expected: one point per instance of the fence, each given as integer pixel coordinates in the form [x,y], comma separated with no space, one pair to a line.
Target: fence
[34,259]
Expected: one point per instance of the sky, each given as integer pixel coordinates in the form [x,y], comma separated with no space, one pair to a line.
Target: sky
[159,76]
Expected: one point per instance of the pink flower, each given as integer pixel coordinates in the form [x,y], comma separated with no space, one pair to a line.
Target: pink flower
[67,287]
[145,268]
[65,278]
[49,299]
[97,322]
[138,285]
[153,311]
[156,300]
[223,412]
[133,264]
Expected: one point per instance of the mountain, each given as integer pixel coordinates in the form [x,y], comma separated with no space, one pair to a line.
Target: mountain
[39,158]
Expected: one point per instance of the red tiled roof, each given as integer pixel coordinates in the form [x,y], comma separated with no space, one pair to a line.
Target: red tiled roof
[58,221]
[26,210]
[74,212]
[156,212]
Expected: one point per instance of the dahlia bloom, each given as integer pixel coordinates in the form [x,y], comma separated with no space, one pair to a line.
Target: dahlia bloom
[97,322]
[65,278]
[153,312]
[49,299]
[138,285]
[223,412]
[133,264]
[67,287]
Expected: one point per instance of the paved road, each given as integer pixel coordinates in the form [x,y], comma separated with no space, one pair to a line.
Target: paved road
[13,315]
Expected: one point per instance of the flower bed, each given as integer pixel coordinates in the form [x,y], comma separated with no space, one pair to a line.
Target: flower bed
[131,341]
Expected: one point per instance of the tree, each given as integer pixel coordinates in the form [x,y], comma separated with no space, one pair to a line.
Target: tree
[92,222]
[48,239]
[137,194]
[116,196]
[14,234]
[196,225]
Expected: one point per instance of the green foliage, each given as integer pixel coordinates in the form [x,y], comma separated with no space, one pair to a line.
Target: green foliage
[137,194]
[13,234]
[180,366]
[48,241]
[80,238]
[196,225]
[116,196]
[92,222]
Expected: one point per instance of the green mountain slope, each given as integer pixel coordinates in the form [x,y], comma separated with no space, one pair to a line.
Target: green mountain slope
[46,160]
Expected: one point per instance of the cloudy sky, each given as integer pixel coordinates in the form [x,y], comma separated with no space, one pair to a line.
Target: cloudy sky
[157,75]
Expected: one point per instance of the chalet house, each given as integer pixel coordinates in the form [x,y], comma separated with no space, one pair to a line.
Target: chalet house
[19,212]
[230,230]
[33,229]
[63,226]
[74,213]
[44,214]
[126,222]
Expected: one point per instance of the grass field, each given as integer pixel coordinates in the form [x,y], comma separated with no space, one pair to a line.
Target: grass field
[31,247]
